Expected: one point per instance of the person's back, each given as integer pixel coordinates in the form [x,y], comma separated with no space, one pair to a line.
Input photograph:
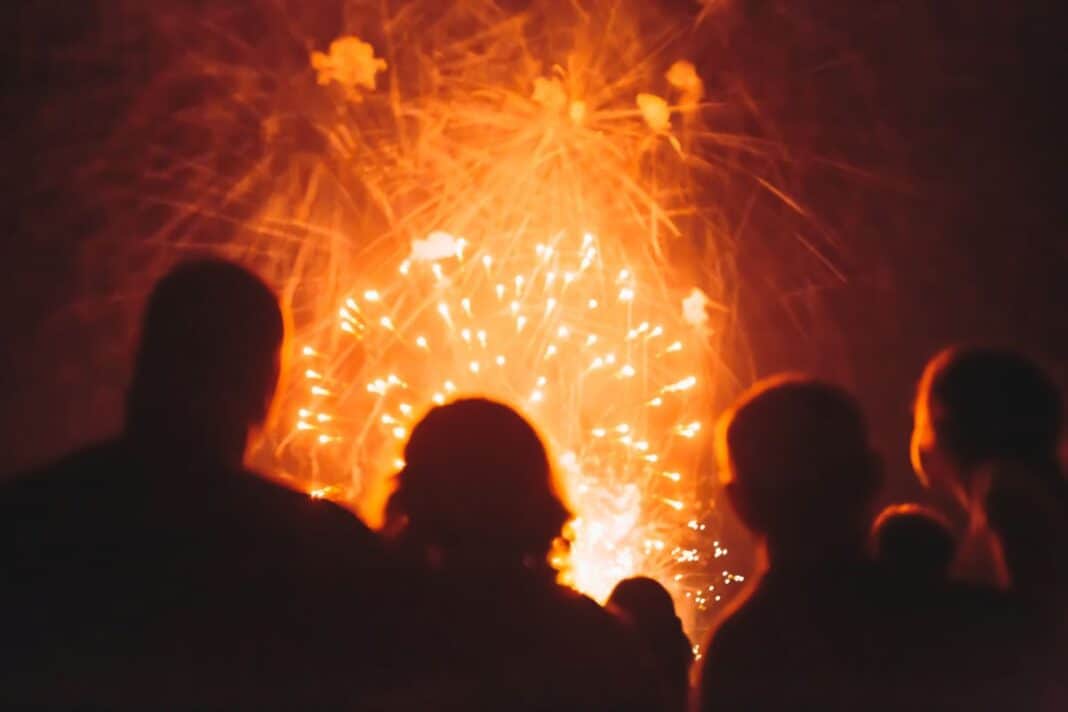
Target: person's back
[799,640]
[475,514]
[154,569]
[802,477]
[157,594]
[520,642]
[843,639]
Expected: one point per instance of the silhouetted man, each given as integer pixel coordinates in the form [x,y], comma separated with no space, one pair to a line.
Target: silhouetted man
[154,569]
[802,477]
[475,513]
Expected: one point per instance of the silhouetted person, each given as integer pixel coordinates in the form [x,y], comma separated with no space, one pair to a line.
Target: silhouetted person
[802,477]
[914,547]
[987,428]
[476,512]
[649,609]
[820,629]
[154,569]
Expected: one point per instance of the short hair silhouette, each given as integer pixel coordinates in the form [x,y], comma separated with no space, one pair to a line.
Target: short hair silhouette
[477,477]
[794,453]
[914,542]
[985,404]
[209,350]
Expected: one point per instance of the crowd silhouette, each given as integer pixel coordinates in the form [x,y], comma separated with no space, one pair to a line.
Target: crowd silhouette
[156,570]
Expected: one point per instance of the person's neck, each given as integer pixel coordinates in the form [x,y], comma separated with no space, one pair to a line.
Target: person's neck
[186,448]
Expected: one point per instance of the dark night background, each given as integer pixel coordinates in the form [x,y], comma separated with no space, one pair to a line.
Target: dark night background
[948,226]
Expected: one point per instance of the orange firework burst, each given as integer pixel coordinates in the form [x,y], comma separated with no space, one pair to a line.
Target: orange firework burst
[468,197]
[526,210]
[569,333]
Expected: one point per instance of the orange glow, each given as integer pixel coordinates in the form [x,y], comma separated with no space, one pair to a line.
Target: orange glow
[578,376]
[536,221]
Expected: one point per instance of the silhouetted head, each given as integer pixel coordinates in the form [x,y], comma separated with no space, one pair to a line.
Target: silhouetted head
[978,406]
[477,483]
[644,602]
[798,467]
[649,609]
[209,359]
[913,543]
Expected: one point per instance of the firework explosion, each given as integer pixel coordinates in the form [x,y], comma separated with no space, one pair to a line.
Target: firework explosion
[560,332]
[467,197]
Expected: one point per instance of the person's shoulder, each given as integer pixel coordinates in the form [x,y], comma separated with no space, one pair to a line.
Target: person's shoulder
[601,644]
[976,602]
[578,601]
[993,612]
[271,492]
[734,628]
[49,512]
[750,623]
[82,461]
[573,619]
[732,653]
[313,516]
[762,597]
[74,475]
[582,609]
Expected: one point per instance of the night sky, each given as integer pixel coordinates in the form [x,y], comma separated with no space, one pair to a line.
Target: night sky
[927,141]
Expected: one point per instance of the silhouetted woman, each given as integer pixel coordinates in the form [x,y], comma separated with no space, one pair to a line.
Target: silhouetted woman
[987,428]
[475,514]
